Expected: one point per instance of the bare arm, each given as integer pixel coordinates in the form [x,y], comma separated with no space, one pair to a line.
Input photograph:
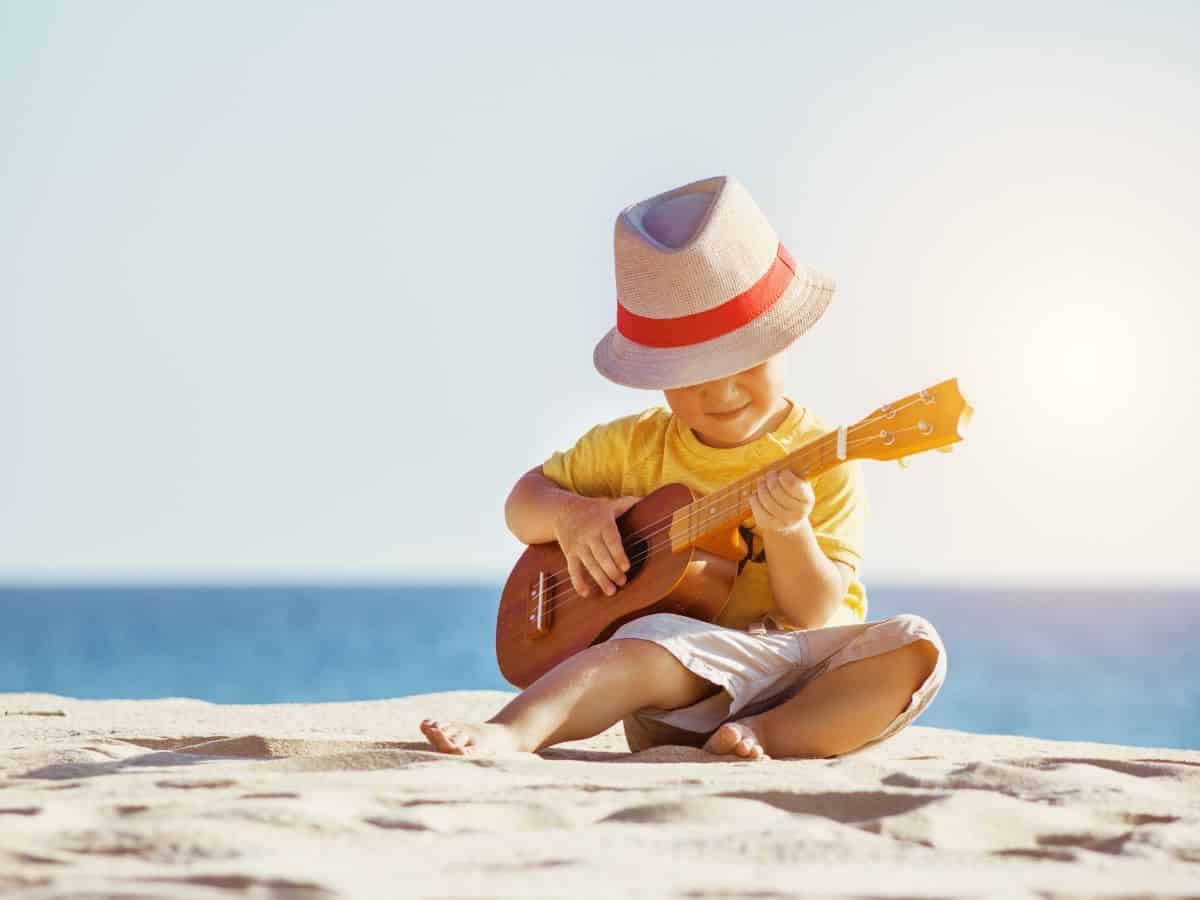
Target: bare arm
[807,585]
[533,506]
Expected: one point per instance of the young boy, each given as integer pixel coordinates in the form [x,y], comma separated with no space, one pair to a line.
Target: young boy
[708,300]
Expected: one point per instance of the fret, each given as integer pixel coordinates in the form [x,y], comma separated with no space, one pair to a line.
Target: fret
[729,505]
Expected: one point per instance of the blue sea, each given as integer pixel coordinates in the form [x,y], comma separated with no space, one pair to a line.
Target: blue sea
[1118,666]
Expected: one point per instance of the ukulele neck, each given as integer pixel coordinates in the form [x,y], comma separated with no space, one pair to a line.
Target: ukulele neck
[727,507]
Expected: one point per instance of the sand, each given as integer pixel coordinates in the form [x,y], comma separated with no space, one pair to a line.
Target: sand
[182,798]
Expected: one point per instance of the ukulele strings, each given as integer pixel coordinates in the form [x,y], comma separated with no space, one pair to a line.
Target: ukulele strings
[716,512]
[717,498]
[717,509]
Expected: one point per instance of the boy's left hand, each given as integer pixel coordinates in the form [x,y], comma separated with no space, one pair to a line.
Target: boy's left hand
[782,501]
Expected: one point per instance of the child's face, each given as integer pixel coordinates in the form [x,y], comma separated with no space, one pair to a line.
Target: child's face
[737,409]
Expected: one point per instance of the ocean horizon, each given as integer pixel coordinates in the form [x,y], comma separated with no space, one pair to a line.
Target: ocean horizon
[1110,665]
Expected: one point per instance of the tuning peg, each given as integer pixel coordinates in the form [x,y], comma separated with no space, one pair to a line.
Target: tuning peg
[903,460]
[949,448]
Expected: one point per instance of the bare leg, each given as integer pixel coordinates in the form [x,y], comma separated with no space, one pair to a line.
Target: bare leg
[578,698]
[836,712]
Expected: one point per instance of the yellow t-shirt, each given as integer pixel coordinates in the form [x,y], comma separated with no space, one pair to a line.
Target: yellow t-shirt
[636,454]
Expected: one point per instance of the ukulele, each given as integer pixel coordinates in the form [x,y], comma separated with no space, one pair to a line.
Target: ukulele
[684,550]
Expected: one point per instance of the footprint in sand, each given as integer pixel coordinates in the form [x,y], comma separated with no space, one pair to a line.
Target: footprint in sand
[847,807]
[1055,780]
[1147,819]
[193,784]
[173,743]
[487,817]
[716,810]
[23,882]
[279,795]
[254,746]
[1000,825]
[163,846]
[1138,768]
[249,886]
[34,859]
[1034,853]
[525,865]
[1173,762]
[1011,778]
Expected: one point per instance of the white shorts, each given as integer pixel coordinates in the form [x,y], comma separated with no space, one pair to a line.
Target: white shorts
[758,671]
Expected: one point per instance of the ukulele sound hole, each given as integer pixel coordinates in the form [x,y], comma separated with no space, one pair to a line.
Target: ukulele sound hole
[636,552]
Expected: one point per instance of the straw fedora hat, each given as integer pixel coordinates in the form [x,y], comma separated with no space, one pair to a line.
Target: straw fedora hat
[705,289]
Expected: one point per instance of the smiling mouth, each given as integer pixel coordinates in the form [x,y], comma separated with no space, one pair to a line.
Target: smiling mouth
[730,414]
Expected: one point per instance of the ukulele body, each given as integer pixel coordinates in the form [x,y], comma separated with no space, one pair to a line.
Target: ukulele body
[542,619]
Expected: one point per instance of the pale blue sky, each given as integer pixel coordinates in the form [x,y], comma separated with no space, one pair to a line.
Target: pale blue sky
[296,292]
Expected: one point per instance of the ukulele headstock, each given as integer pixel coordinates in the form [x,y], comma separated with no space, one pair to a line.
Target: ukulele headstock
[931,419]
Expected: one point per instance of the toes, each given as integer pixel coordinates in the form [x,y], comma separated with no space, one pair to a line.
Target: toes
[442,738]
[723,741]
[750,748]
[734,740]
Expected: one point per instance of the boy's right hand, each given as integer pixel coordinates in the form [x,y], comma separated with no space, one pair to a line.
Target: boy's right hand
[586,530]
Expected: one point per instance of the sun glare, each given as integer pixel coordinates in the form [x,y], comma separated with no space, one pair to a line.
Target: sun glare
[1082,362]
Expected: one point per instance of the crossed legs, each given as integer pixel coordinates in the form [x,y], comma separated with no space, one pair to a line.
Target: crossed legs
[597,687]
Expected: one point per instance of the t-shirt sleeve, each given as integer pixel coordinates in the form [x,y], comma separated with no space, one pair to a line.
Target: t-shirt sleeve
[594,466]
[839,515]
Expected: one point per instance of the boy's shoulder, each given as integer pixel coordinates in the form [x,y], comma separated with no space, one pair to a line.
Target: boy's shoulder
[811,423]
[635,425]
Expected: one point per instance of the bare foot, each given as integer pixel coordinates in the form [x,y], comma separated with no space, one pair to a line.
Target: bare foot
[467,738]
[737,737]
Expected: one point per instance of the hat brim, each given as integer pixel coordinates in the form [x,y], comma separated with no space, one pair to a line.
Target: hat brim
[663,368]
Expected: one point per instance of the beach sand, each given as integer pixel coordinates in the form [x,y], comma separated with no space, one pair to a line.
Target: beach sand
[182,798]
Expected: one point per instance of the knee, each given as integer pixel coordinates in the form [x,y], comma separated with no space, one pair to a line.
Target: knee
[637,660]
[643,656]
[924,648]
[922,632]
[925,653]
[913,622]
[665,682]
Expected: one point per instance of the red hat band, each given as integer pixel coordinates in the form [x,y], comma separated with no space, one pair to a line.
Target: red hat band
[719,320]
